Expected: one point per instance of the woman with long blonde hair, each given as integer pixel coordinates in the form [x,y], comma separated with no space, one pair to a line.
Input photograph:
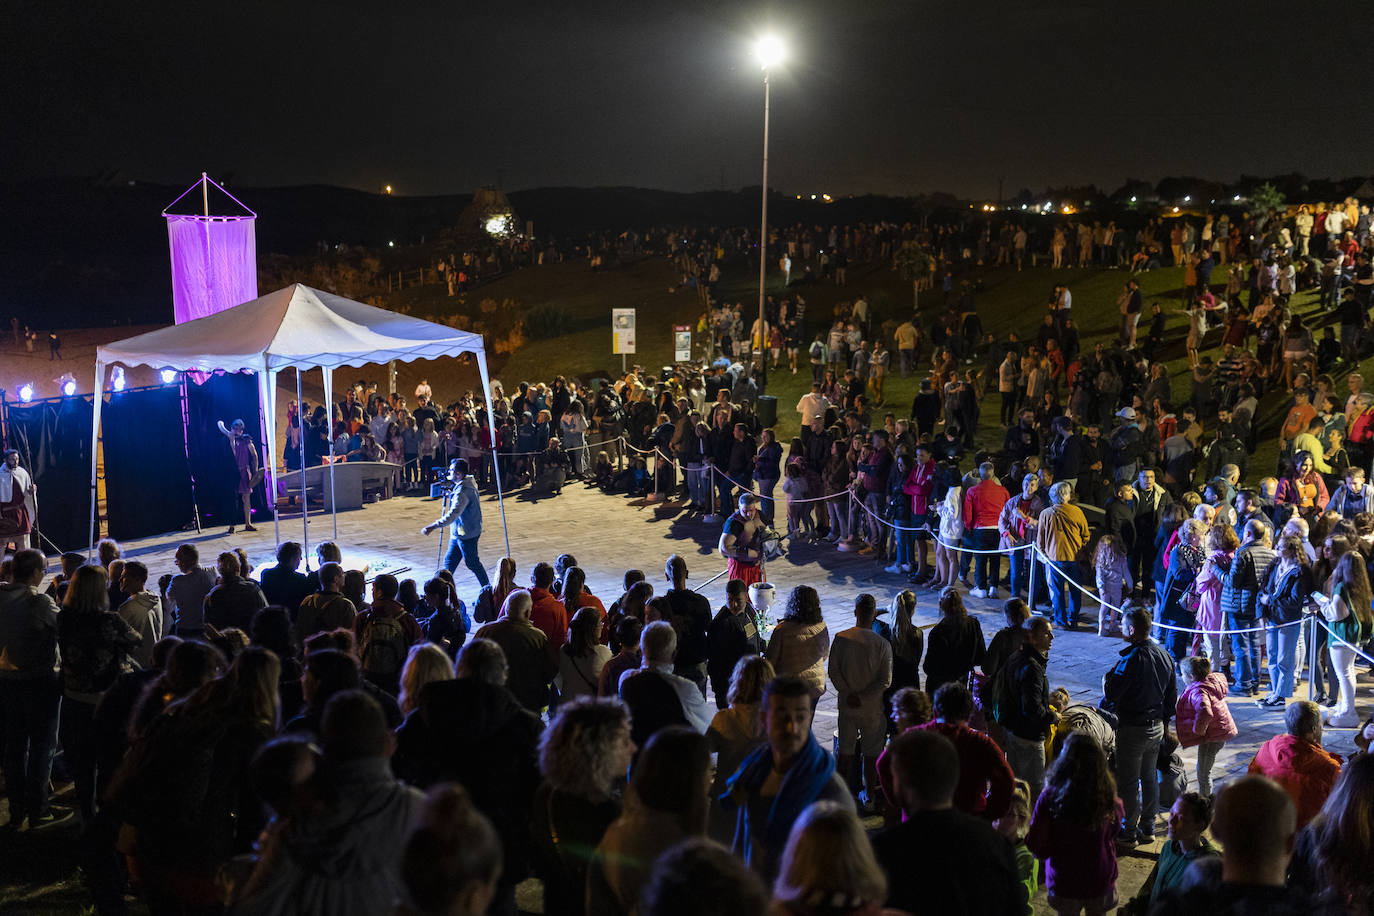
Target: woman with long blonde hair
[828,866]
[425,664]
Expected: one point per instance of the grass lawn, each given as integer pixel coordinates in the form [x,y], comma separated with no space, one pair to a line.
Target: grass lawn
[1008,301]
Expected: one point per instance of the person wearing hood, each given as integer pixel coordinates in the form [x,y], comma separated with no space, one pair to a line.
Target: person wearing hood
[1298,762]
[465,515]
[142,611]
[473,731]
[342,854]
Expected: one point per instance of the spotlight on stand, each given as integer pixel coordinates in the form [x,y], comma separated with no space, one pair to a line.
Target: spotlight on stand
[117,378]
[168,376]
[68,387]
[26,392]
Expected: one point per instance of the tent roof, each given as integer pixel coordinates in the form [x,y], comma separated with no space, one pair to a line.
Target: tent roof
[295,326]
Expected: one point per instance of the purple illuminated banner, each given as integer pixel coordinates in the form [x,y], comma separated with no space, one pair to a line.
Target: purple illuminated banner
[214,264]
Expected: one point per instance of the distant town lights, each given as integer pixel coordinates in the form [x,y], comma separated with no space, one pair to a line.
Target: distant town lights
[1187,198]
[1132,200]
[1175,209]
[387,189]
[391,244]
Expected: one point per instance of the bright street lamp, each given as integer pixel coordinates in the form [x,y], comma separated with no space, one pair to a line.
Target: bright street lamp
[769,51]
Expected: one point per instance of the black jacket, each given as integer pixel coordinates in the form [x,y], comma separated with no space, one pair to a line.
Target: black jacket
[1140,688]
[1025,707]
[479,736]
[952,863]
[731,637]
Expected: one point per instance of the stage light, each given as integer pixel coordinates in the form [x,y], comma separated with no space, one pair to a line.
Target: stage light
[68,387]
[117,378]
[1175,209]
[769,50]
[26,392]
[168,376]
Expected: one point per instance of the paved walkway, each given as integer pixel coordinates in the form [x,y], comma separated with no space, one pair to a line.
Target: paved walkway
[609,534]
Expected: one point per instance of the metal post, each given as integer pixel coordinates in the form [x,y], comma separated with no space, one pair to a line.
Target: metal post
[1313,658]
[763,247]
[1030,592]
[305,493]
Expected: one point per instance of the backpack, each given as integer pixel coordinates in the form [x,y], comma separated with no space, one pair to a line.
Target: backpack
[384,646]
[817,349]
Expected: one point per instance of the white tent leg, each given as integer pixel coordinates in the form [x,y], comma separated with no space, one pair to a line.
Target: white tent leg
[267,420]
[305,497]
[486,393]
[270,477]
[329,401]
[95,440]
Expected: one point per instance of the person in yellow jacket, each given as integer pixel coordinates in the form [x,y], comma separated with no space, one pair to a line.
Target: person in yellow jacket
[1061,533]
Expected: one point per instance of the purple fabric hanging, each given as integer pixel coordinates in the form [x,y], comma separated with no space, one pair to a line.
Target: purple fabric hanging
[214,264]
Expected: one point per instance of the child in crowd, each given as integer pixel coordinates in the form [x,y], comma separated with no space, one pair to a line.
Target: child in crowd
[604,472]
[1203,718]
[1013,825]
[910,707]
[1113,581]
[1074,829]
[951,531]
[1221,547]
[799,524]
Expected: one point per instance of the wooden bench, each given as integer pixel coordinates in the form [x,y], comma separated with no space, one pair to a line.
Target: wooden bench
[352,479]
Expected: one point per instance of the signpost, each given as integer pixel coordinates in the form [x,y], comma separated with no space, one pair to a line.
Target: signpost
[682,343]
[622,333]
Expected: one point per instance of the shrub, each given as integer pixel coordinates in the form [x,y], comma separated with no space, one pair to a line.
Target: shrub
[547,321]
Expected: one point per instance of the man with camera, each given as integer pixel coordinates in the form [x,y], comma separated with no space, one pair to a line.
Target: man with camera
[465,515]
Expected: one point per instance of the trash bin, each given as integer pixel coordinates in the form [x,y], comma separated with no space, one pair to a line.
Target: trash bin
[767,410]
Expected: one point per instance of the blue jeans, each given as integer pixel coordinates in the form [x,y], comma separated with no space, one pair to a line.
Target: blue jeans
[1316,641]
[1137,751]
[1282,644]
[1246,649]
[29,709]
[766,501]
[465,550]
[1019,574]
[986,539]
[1057,586]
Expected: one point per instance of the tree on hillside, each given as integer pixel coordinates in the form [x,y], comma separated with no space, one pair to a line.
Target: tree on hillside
[914,263]
[1266,197]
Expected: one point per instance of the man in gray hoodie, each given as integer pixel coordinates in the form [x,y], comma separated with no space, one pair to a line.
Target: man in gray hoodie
[142,611]
[342,854]
[30,694]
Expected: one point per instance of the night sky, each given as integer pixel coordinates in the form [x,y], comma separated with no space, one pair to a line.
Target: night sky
[898,97]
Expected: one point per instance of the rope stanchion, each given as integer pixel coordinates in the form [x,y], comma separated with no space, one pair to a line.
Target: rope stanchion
[1331,634]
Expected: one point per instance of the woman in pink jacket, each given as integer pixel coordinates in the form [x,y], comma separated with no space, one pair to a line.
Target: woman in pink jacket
[1202,718]
[1221,544]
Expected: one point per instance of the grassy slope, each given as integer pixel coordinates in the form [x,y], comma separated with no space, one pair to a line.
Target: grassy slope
[1009,301]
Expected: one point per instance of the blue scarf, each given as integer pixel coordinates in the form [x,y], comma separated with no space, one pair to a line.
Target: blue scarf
[801,785]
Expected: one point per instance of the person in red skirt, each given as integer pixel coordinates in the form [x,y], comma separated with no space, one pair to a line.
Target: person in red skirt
[741,542]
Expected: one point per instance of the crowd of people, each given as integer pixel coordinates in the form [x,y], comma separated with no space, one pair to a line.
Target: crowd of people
[298,743]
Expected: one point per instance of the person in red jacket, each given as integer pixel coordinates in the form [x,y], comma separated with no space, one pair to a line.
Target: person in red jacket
[1298,762]
[983,504]
[985,778]
[920,486]
[548,613]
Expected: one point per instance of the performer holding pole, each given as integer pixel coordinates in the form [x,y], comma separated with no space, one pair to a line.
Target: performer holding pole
[18,503]
[249,468]
[741,542]
[465,515]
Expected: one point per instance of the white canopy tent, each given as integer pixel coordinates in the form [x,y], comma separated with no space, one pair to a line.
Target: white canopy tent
[296,327]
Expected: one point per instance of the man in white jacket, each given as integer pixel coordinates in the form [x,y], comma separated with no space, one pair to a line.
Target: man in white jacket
[142,611]
[860,670]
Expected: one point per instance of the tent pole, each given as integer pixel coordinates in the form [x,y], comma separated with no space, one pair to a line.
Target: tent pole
[271,476]
[267,418]
[329,399]
[305,493]
[95,439]
[491,428]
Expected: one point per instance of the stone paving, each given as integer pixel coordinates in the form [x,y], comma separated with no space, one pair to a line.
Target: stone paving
[609,534]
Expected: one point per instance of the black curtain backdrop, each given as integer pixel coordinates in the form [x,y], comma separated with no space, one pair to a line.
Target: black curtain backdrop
[54,443]
[226,396]
[147,479]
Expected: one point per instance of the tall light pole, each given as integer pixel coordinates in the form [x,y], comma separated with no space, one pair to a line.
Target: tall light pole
[769,50]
